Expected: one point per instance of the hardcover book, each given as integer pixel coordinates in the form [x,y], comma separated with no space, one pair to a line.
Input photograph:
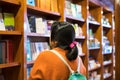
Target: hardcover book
[9,21]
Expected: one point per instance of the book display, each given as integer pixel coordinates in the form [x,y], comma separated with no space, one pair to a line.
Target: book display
[25,31]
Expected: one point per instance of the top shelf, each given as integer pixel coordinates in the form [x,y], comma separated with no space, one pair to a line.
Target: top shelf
[8,2]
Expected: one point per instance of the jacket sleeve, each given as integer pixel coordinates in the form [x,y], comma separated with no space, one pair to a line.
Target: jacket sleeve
[38,68]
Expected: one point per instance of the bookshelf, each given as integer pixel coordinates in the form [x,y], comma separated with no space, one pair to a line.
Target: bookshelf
[91,34]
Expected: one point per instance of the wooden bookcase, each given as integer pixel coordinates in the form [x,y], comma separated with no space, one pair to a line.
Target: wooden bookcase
[17,70]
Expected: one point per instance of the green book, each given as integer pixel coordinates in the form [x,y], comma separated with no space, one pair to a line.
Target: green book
[9,21]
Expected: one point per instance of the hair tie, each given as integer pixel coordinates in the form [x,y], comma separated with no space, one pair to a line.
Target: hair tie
[72,44]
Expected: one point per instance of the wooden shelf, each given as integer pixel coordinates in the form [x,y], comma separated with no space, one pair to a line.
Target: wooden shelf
[30,63]
[38,11]
[94,69]
[80,37]
[37,35]
[9,2]
[106,53]
[7,65]
[74,19]
[10,33]
[94,23]
[106,64]
[108,77]
[82,55]
[107,26]
[94,48]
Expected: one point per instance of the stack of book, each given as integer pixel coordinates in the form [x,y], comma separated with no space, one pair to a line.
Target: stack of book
[33,49]
[6,21]
[73,10]
[49,5]
[39,25]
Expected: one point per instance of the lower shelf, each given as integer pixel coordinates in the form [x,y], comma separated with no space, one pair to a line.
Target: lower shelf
[6,65]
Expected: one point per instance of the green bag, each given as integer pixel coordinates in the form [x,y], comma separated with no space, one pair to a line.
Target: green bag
[74,75]
[77,76]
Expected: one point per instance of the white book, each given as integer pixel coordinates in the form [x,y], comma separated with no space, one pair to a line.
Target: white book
[40,26]
[2,26]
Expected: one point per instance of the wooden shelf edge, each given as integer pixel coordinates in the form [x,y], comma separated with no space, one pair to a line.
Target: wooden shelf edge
[93,69]
[82,55]
[43,11]
[106,53]
[10,2]
[7,65]
[30,63]
[75,19]
[10,33]
[94,23]
[94,48]
[80,37]
[108,77]
[37,35]
[107,26]
[109,63]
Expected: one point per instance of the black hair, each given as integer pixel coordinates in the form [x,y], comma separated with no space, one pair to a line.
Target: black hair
[64,34]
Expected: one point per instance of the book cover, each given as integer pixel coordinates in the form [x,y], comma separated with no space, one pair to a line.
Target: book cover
[47,5]
[28,50]
[31,20]
[68,8]
[37,3]
[54,5]
[9,21]
[45,46]
[26,25]
[2,26]
[73,8]
[78,11]
[42,4]
[9,51]
[31,2]
[40,26]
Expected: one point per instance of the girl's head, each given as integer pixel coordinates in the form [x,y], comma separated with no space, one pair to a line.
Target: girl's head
[63,36]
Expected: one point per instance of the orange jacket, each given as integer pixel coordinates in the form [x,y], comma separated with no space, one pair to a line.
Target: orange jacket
[48,66]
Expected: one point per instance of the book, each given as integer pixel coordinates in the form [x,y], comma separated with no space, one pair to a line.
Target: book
[31,20]
[37,3]
[10,48]
[28,50]
[40,26]
[68,8]
[2,26]
[31,2]
[73,8]
[9,21]
[54,5]
[1,61]
[42,4]
[48,5]
[27,25]
[78,11]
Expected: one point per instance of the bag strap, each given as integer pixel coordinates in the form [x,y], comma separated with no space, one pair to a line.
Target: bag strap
[61,57]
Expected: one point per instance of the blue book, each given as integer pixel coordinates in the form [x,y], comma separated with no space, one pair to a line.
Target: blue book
[31,2]
[28,51]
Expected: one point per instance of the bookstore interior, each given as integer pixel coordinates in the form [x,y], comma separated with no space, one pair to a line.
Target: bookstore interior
[25,31]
